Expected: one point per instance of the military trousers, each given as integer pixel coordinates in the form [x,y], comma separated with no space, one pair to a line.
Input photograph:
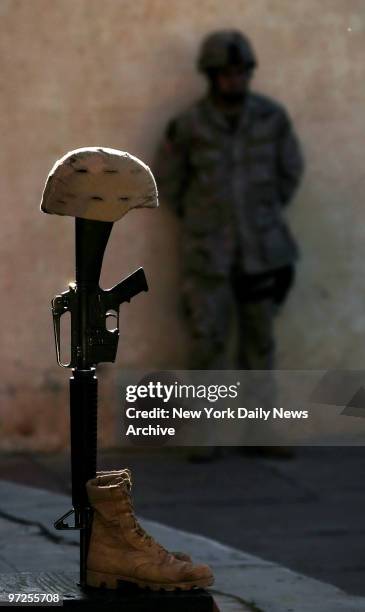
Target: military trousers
[209,305]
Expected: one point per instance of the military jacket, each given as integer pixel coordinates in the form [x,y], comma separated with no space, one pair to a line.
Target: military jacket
[230,186]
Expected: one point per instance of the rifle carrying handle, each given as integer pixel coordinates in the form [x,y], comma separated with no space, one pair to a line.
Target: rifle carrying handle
[61,305]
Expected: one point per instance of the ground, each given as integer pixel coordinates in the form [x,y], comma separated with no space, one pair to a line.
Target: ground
[306,513]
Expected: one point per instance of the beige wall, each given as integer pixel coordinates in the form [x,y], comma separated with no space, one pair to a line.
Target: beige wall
[111,72]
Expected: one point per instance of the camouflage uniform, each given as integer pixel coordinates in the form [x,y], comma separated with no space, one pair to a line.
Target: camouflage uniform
[230,184]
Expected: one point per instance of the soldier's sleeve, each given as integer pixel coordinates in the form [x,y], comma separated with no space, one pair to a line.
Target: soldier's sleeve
[170,165]
[290,160]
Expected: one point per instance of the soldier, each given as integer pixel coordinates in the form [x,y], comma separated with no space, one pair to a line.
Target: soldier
[229,165]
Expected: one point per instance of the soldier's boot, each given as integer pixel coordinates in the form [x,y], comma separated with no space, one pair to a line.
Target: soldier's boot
[109,476]
[121,550]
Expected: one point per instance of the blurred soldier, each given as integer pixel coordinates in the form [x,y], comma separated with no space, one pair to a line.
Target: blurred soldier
[229,165]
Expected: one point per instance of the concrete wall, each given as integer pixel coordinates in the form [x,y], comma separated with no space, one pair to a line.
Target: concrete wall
[86,72]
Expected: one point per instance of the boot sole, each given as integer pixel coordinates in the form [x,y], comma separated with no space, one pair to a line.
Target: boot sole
[110,581]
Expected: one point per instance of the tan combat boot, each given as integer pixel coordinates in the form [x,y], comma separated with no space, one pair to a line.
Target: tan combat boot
[120,549]
[108,477]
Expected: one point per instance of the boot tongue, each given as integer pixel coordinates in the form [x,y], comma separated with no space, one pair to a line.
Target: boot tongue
[125,479]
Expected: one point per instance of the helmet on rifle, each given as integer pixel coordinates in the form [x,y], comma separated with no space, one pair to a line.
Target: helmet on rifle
[98,183]
[223,48]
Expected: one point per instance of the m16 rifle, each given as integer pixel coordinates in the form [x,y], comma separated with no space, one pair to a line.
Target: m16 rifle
[97,186]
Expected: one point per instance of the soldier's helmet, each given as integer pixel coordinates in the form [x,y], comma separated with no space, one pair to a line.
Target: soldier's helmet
[224,47]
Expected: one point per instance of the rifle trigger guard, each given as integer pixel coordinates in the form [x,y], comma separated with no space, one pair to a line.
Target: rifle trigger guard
[112,314]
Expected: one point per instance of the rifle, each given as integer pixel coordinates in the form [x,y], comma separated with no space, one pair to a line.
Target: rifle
[97,186]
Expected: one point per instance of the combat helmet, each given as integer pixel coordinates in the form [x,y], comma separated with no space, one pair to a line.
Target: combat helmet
[225,47]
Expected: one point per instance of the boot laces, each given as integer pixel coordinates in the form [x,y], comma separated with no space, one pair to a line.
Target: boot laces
[126,480]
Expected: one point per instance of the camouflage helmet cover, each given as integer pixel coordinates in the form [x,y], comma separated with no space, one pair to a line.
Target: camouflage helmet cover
[98,183]
[224,47]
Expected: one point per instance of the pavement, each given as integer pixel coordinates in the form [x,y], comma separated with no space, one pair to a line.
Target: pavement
[226,497]
[306,514]
[244,582]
